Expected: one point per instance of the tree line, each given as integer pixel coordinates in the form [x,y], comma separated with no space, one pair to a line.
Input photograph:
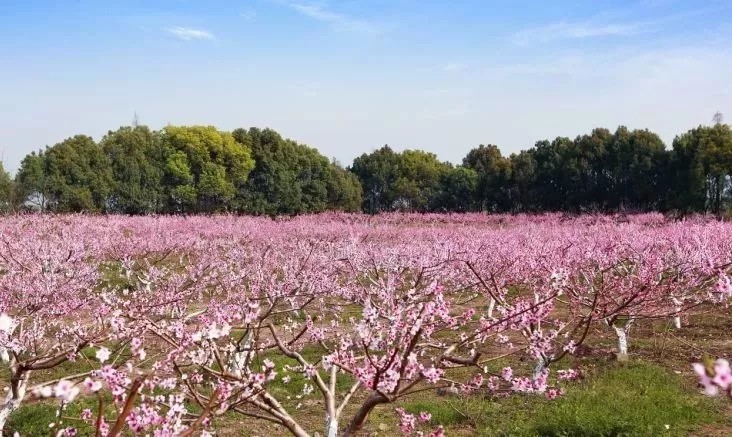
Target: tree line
[194,169]
[628,170]
[200,169]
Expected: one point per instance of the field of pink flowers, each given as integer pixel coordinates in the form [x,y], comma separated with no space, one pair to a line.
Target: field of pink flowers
[174,325]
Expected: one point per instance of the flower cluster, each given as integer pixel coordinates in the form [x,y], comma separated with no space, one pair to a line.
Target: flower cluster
[715,377]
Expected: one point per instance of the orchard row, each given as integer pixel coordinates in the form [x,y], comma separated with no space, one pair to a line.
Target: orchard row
[167,325]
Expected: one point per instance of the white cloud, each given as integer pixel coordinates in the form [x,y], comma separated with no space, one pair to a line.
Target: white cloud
[248,15]
[608,24]
[189,34]
[306,89]
[337,20]
[454,67]
[566,30]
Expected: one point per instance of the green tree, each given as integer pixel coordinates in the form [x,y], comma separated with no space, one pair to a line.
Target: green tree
[344,189]
[135,156]
[458,190]
[522,191]
[215,191]
[588,183]
[31,189]
[702,165]
[205,169]
[635,166]
[6,190]
[72,176]
[418,186]
[494,173]
[273,186]
[557,175]
[407,181]
[377,172]
[312,176]
[291,178]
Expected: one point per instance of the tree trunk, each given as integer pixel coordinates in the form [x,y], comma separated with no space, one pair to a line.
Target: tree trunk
[677,321]
[622,343]
[677,315]
[13,399]
[491,307]
[238,359]
[540,367]
[331,427]
[363,413]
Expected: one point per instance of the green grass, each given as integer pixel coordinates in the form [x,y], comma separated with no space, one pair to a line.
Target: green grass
[638,399]
[635,399]
[33,419]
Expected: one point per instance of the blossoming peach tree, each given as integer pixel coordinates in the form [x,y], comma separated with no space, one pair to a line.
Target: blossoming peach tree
[716,375]
[163,326]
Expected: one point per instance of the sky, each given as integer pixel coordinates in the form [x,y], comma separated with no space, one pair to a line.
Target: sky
[349,76]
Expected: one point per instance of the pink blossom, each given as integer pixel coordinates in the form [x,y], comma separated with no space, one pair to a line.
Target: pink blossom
[507,373]
[433,374]
[103,354]
[7,324]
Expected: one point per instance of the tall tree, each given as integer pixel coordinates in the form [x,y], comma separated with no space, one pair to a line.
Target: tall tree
[291,178]
[73,175]
[135,155]
[635,166]
[378,173]
[586,162]
[522,185]
[420,175]
[344,189]
[557,175]
[408,181]
[702,161]
[458,190]
[31,189]
[204,169]
[494,172]
[272,187]
[6,190]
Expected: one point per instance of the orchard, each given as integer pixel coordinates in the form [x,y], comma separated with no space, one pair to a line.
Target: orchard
[314,325]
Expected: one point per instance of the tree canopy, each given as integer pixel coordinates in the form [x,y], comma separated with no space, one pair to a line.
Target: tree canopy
[200,169]
[136,158]
[290,178]
[410,180]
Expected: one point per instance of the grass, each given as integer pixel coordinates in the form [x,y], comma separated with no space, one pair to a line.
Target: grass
[33,419]
[619,399]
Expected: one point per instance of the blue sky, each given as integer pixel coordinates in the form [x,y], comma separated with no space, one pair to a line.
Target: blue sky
[349,76]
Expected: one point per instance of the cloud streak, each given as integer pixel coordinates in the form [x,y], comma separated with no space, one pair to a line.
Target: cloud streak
[600,26]
[334,19]
[454,67]
[190,34]
[248,15]
[582,30]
